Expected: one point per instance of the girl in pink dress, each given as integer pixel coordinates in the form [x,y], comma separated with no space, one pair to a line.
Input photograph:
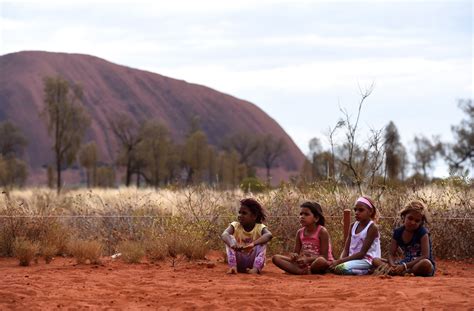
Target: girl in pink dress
[313,253]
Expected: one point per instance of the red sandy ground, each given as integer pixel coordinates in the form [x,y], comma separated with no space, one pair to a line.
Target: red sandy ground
[115,285]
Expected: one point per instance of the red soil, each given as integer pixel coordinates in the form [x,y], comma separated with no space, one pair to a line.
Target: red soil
[204,285]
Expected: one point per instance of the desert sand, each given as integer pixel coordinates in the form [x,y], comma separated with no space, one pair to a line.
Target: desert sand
[115,285]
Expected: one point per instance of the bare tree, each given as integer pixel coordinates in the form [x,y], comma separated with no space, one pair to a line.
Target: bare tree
[66,120]
[330,134]
[351,131]
[128,133]
[271,150]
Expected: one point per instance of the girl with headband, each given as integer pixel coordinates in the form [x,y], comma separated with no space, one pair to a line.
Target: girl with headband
[363,241]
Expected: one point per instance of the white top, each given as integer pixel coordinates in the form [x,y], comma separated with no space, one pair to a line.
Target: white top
[357,240]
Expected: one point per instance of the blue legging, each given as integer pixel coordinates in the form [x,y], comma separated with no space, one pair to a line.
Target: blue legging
[353,267]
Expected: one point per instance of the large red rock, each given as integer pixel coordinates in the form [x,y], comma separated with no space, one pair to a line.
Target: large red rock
[111,88]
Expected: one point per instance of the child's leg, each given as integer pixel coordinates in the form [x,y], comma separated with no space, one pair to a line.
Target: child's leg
[285,263]
[231,260]
[423,268]
[258,255]
[320,265]
[260,252]
[231,257]
[353,267]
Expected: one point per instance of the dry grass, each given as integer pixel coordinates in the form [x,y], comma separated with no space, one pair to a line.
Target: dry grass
[132,251]
[188,222]
[25,251]
[85,251]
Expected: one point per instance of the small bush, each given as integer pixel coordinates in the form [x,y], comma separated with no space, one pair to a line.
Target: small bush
[25,250]
[85,251]
[132,252]
[49,251]
[156,249]
[194,247]
[252,184]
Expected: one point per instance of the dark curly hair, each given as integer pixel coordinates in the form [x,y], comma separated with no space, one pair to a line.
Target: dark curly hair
[255,208]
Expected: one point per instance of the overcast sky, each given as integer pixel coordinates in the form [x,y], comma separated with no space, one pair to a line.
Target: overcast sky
[300,61]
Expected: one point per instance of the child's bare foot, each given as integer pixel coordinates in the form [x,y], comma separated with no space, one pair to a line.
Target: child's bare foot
[252,271]
[232,270]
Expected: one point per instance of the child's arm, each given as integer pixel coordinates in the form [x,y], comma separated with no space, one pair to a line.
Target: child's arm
[266,236]
[297,249]
[227,237]
[425,251]
[345,251]
[323,243]
[372,233]
[393,252]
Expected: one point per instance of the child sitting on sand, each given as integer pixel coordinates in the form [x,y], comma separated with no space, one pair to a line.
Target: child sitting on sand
[414,240]
[246,239]
[312,252]
[363,241]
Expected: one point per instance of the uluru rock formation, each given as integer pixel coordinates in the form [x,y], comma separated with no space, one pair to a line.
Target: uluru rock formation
[111,88]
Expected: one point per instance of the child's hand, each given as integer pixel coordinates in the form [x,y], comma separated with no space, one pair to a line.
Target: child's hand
[294,257]
[302,261]
[236,247]
[248,246]
[398,269]
[335,263]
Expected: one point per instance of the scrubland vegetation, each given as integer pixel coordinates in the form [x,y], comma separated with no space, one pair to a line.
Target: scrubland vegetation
[186,223]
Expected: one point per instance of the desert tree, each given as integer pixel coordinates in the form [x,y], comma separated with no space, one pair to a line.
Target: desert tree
[153,150]
[351,145]
[13,171]
[426,152]
[331,132]
[271,149]
[66,120]
[230,170]
[393,148]
[460,154]
[320,162]
[88,159]
[246,145]
[128,134]
[12,143]
[12,140]
[195,156]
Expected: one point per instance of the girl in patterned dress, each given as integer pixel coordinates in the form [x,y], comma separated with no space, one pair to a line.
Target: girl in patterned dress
[246,239]
[312,252]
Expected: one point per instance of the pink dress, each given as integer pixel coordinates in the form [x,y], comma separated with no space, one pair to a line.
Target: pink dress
[310,245]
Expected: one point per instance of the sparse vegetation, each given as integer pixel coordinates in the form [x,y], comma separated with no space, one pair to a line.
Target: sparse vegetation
[25,250]
[85,251]
[132,251]
[187,223]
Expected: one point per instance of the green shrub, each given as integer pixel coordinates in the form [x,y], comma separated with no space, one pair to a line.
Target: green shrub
[252,184]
